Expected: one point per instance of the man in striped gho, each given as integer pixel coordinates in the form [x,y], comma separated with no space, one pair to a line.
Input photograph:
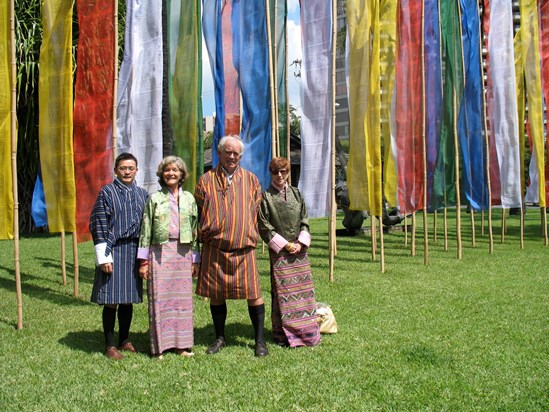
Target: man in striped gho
[228,199]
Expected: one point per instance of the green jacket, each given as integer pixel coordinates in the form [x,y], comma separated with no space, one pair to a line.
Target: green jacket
[156,220]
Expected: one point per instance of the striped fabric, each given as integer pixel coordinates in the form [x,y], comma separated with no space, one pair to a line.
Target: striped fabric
[115,220]
[169,290]
[293,300]
[228,230]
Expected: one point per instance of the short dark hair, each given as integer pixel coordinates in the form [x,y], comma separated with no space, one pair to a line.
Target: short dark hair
[124,156]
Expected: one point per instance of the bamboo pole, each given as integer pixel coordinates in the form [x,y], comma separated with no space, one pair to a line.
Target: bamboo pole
[458,190]
[544,223]
[76,267]
[274,143]
[381,246]
[374,237]
[482,222]
[487,146]
[332,223]
[446,229]
[406,230]
[424,145]
[503,225]
[286,88]
[435,226]
[63,260]
[14,170]
[473,229]
[275,76]
[413,233]
[115,86]
[522,226]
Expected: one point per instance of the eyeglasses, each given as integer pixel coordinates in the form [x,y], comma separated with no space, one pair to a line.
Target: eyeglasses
[283,172]
[128,168]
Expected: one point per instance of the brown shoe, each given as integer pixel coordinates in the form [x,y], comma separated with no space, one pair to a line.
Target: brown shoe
[112,353]
[128,347]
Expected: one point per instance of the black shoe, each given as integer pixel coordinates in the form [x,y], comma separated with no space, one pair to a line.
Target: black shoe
[215,347]
[261,349]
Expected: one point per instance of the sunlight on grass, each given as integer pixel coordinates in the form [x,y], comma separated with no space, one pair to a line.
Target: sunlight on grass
[467,334]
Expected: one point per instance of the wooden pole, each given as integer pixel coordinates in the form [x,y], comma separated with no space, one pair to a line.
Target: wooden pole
[446,229]
[544,223]
[473,231]
[63,260]
[286,88]
[503,225]
[435,226]
[76,268]
[274,126]
[424,145]
[333,208]
[487,146]
[14,170]
[374,237]
[115,86]
[522,226]
[458,191]
[413,233]
[275,75]
[381,246]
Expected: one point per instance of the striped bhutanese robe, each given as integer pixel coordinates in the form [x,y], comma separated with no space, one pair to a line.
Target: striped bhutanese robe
[114,226]
[228,231]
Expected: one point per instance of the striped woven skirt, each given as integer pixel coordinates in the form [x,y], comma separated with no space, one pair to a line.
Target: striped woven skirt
[293,300]
[170,295]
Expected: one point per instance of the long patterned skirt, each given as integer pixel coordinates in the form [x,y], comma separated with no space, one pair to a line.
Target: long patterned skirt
[170,297]
[293,300]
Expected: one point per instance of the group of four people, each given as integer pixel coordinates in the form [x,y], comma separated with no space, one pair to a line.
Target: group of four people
[156,238]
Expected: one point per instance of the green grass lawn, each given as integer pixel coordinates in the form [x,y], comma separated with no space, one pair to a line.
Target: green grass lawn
[455,335]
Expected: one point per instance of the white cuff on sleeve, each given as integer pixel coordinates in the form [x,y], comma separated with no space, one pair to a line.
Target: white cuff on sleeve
[100,257]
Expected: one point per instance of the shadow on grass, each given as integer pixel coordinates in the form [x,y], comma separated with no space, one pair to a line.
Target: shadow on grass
[237,334]
[85,273]
[39,292]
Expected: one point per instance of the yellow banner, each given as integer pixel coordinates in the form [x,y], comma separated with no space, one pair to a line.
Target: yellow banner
[6,182]
[519,73]
[56,107]
[364,167]
[532,70]
[388,17]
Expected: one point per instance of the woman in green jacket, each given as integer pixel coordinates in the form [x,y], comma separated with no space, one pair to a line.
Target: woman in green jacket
[168,256]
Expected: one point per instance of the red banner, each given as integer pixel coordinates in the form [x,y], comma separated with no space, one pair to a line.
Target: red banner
[93,107]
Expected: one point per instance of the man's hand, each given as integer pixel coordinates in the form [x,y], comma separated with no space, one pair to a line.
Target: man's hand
[144,272]
[195,270]
[106,267]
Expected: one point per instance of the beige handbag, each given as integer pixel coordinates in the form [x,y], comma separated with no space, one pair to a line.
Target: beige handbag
[325,318]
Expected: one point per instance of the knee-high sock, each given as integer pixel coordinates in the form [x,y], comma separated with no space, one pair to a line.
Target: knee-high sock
[219,315]
[109,319]
[125,314]
[257,315]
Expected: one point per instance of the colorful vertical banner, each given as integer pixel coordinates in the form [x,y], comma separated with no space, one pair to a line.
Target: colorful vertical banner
[502,106]
[316,104]
[93,107]
[544,51]
[56,115]
[433,88]
[364,167]
[251,60]
[184,71]
[471,126]
[521,104]
[409,105]
[387,67]
[139,112]
[529,21]
[444,179]
[6,177]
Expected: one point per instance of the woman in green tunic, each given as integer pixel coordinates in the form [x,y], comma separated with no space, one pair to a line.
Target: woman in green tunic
[284,226]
